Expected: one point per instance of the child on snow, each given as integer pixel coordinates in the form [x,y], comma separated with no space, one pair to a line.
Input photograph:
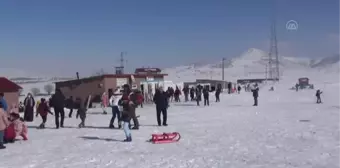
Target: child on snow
[3,125]
[43,109]
[81,112]
[17,127]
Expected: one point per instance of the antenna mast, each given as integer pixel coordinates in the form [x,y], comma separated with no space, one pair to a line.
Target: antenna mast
[273,61]
[120,69]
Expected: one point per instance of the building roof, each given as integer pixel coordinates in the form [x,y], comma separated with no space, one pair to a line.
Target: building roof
[8,86]
[148,70]
[113,76]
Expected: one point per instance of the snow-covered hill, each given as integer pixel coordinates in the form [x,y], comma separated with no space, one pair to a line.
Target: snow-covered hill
[252,64]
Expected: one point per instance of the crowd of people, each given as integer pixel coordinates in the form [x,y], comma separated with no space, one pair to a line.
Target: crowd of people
[123,103]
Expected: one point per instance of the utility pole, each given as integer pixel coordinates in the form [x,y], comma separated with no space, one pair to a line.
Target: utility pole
[122,62]
[223,59]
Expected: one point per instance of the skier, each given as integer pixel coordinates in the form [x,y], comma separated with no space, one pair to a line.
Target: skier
[206,96]
[238,89]
[255,91]
[161,100]
[114,99]
[57,101]
[318,96]
[43,110]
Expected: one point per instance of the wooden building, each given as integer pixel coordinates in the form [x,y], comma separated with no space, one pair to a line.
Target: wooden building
[212,84]
[10,90]
[97,85]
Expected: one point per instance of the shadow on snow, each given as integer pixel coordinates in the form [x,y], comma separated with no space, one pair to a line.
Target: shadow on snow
[98,138]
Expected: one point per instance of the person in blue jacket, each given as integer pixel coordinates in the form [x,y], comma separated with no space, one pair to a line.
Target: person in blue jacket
[3,102]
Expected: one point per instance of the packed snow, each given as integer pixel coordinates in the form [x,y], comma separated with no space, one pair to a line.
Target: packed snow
[287,129]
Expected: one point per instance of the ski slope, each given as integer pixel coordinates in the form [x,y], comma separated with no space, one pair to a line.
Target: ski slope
[286,130]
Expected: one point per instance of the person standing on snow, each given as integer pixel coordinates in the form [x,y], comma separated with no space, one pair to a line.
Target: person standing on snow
[206,96]
[70,105]
[177,94]
[186,93]
[238,89]
[29,108]
[161,100]
[255,91]
[198,95]
[192,93]
[58,103]
[217,93]
[114,99]
[43,110]
[129,107]
[81,112]
[4,123]
[3,101]
[134,104]
[105,102]
[318,96]
[229,88]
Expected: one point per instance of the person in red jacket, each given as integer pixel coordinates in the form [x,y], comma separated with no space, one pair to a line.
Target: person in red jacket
[140,98]
[43,110]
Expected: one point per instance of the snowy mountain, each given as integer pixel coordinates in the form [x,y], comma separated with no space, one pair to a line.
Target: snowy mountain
[328,64]
[252,64]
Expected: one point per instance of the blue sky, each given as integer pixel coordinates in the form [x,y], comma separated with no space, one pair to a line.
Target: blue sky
[65,36]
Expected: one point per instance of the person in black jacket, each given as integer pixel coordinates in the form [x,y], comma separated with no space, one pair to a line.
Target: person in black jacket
[229,88]
[198,95]
[255,91]
[129,107]
[70,105]
[186,91]
[81,112]
[161,100]
[206,96]
[58,103]
[192,93]
[217,93]
[318,96]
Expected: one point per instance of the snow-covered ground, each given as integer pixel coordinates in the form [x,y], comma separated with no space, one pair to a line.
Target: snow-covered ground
[286,130]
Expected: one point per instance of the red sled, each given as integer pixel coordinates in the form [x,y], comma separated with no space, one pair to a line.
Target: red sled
[165,138]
